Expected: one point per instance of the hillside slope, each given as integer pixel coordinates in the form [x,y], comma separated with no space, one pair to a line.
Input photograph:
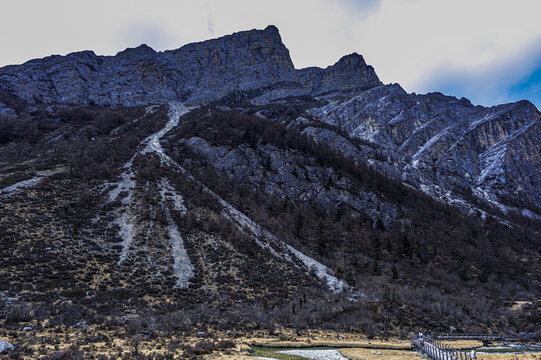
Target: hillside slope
[216,185]
[444,146]
[166,219]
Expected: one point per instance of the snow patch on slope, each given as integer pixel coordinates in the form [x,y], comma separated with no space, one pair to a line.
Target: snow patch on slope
[123,217]
[15,188]
[25,184]
[126,233]
[491,161]
[127,184]
[167,193]
[420,153]
[321,271]
[182,266]
[262,237]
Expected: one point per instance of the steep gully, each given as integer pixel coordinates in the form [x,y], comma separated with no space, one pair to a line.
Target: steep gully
[183,267]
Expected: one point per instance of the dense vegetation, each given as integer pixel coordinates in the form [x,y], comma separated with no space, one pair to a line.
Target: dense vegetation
[441,260]
[434,267]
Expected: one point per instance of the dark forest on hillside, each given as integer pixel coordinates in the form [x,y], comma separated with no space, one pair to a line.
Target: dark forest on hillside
[431,246]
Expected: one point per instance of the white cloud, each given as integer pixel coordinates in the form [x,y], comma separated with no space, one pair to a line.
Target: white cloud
[506,79]
[407,41]
[412,38]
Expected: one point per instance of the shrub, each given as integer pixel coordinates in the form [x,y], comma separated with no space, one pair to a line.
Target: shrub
[225,344]
[17,313]
[71,354]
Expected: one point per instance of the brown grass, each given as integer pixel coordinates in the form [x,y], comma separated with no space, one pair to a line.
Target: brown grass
[46,340]
[353,346]
[463,344]
[369,354]
[509,356]
[327,338]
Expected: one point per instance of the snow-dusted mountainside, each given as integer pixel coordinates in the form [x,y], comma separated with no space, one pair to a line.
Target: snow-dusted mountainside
[195,73]
[439,144]
[217,179]
[152,227]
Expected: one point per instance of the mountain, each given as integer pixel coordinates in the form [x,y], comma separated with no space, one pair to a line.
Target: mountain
[436,143]
[195,73]
[441,144]
[216,184]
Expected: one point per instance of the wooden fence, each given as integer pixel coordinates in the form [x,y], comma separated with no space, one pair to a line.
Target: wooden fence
[436,350]
[481,337]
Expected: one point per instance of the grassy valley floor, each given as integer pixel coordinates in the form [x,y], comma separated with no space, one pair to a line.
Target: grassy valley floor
[33,342]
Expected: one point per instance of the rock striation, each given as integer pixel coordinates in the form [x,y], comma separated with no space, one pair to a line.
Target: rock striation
[196,73]
[439,144]
[276,171]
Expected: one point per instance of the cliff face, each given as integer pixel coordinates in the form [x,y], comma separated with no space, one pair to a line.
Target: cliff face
[438,143]
[195,73]
[433,142]
[350,73]
[247,60]
[282,198]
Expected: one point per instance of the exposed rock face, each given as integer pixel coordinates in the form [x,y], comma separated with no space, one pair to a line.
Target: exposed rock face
[242,61]
[5,347]
[196,73]
[350,73]
[433,142]
[437,142]
[276,172]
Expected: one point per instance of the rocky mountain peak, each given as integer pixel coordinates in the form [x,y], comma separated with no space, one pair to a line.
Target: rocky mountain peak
[350,73]
[272,29]
[252,61]
[351,61]
[240,48]
[141,51]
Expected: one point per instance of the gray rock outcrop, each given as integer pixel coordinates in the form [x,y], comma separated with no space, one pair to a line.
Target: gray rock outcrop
[196,73]
[5,347]
[434,142]
[277,172]
[438,143]
[350,73]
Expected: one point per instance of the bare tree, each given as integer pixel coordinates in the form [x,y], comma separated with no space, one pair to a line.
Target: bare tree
[388,308]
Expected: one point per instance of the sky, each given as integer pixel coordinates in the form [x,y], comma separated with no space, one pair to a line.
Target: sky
[486,50]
